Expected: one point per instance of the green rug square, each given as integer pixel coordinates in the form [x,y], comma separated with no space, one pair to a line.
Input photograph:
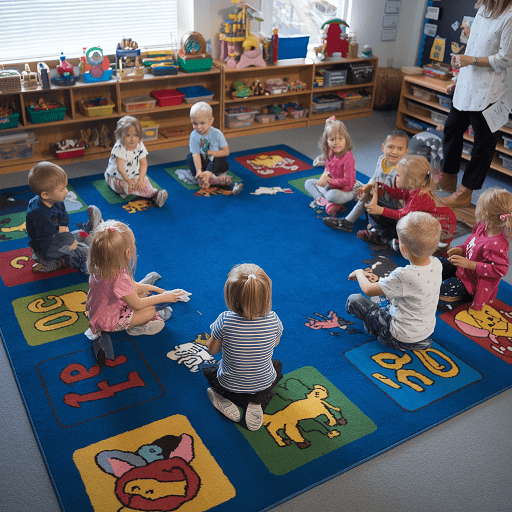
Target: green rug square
[299,183]
[188,186]
[111,196]
[306,418]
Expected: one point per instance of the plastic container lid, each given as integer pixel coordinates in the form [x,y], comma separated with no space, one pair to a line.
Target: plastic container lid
[17,137]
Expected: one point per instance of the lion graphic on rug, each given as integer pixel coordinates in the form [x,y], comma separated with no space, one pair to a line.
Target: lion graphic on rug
[288,419]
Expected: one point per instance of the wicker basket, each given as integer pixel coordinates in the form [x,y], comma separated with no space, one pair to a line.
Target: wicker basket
[10,81]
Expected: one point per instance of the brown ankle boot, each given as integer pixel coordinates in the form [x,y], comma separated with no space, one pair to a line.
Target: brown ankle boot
[447,182]
[459,199]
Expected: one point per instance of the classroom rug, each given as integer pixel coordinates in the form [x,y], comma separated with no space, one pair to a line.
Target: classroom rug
[141,434]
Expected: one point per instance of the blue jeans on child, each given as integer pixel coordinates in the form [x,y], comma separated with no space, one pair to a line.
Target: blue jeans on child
[218,165]
[59,249]
[376,321]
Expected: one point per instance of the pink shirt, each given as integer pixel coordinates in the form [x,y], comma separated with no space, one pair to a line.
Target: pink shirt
[491,256]
[104,301]
[343,171]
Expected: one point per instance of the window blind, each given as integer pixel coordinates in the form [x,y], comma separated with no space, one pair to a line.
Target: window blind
[41,29]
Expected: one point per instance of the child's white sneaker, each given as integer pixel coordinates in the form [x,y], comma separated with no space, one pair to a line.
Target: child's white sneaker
[254,416]
[161,197]
[152,327]
[224,405]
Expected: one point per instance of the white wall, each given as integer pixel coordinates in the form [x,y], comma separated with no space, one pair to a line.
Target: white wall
[366,21]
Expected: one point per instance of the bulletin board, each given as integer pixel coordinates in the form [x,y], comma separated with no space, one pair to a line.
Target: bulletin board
[451,11]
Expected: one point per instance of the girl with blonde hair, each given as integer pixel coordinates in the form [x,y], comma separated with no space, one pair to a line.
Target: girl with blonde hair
[474,269]
[115,302]
[337,185]
[414,184]
[247,334]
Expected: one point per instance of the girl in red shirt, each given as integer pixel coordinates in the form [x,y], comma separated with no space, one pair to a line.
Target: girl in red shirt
[415,184]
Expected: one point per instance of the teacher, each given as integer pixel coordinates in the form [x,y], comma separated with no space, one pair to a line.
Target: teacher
[480,83]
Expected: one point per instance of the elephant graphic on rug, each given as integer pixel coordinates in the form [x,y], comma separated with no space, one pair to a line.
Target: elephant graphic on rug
[157,476]
[288,419]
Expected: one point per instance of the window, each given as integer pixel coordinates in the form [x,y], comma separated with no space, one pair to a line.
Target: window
[42,29]
[293,17]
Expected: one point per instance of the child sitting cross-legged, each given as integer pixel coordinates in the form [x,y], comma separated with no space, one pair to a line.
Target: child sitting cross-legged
[413,291]
[415,183]
[48,222]
[209,150]
[393,148]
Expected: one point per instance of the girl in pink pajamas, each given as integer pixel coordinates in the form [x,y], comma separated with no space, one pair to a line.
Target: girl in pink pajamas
[337,185]
[473,270]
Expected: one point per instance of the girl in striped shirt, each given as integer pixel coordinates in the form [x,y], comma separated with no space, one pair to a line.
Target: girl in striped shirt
[247,334]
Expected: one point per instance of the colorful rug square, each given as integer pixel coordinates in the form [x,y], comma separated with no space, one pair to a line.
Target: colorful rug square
[16,268]
[110,434]
[273,163]
[181,178]
[111,197]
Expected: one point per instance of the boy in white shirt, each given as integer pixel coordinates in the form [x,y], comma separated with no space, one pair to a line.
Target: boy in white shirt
[208,150]
[408,321]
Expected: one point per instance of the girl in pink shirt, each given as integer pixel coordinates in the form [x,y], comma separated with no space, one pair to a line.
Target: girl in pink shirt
[473,270]
[337,184]
[115,302]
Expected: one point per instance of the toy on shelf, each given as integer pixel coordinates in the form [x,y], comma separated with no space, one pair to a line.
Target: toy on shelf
[367,51]
[296,85]
[66,73]
[128,60]
[334,37]
[257,88]
[276,86]
[8,118]
[29,78]
[69,148]
[97,66]
[240,90]
[43,75]
[192,57]
[238,47]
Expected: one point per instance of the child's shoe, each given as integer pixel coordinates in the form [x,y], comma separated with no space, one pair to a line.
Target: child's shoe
[395,245]
[161,197]
[332,209]
[224,405]
[237,188]
[319,161]
[152,327]
[370,236]
[342,224]
[254,416]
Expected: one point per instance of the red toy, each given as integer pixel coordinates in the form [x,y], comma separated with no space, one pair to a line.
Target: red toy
[335,40]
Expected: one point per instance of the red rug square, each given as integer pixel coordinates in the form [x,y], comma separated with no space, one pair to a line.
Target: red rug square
[16,268]
[272,163]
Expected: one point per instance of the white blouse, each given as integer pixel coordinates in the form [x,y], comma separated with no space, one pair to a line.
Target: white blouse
[478,86]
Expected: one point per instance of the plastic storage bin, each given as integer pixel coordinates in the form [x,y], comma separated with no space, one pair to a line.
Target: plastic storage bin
[467,147]
[293,47]
[507,161]
[265,118]
[96,110]
[69,153]
[149,130]
[168,97]
[445,101]
[507,142]
[240,119]
[359,73]
[10,121]
[134,103]
[17,144]
[423,94]
[353,101]
[326,104]
[196,93]
[414,124]
[437,117]
[335,77]
[45,116]
[276,86]
[417,108]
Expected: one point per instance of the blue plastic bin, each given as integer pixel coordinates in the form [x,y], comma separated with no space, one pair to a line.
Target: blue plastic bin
[195,93]
[293,47]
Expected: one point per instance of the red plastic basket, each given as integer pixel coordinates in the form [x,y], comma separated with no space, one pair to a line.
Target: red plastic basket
[168,97]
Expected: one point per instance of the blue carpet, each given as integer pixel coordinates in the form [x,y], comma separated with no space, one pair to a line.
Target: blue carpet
[143,433]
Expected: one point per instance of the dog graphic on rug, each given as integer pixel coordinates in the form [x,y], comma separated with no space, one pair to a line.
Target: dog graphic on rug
[155,477]
[193,353]
[308,408]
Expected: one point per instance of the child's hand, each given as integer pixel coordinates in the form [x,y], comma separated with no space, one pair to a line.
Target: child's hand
[372,207]
[132,184]
[460,261]
[322,181]
[173,295]
[364,191]
[455,250]
[139,185]
[353,275]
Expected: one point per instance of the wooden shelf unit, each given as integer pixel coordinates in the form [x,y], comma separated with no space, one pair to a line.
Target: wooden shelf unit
[408,100]
[219,80]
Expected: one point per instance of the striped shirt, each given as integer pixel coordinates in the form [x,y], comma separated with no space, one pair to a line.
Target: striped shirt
[247,348]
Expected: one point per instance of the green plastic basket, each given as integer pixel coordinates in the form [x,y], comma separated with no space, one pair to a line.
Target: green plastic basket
[45,116]
[9,121]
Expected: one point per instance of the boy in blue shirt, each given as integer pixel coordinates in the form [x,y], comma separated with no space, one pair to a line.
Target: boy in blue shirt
[208,150]
[48,222]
